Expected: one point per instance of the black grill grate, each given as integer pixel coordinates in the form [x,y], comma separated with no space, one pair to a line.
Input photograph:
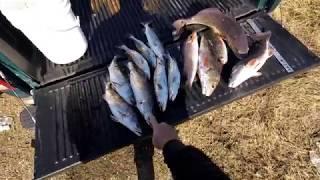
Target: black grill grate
[73,121]
[107,23]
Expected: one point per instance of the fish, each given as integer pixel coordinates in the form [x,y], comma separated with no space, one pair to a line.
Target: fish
[209,68]
[190,58]
[142,92]
[122,112]
[138,59]
[174,77]
[161,84]
[147,53]
[225,26]
[218,47]
[154,41]
[120,82]
[249,67]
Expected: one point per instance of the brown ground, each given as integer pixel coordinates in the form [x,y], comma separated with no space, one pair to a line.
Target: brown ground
[263,136]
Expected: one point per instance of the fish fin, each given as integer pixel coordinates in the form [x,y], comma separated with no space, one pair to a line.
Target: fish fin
[131,36]
[137,132]
[189,85]
[123,47]
[104,97]
[147,23]
[115,58]
[163,107]
[113,118]
[193,37]
[179,26]
[115,85]
[270,52]
[150,117]
[261,36]
[173,96]
[257,74]
[252,63]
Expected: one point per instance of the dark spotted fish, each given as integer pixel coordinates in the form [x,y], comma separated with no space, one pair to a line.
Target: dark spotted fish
[174,78]
[145,51]
[142,92]
[121,111]
[161,84]
[138,59]
[120,82]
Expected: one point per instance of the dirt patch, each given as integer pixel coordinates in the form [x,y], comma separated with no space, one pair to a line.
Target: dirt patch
[263,136]
[16,154]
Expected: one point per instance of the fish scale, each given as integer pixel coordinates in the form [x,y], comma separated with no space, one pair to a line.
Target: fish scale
[259,53]
[161,84]
[138,59]
[190,58]
[209,68]
[145,51]
[120,82]
[142,92]
[121,111]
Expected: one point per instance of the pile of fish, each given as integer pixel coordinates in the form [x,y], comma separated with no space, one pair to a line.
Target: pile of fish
[149,66]
[152,73]
[208,57]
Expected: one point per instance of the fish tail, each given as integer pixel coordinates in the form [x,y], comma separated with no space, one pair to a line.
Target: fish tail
[123,47]
[115,57]
[172,96]
[261,36]
[178,25]
[189,85]
[146,23]
[137,131]
[106,82]
[131,36]
[163,106]
[149,118]
[130,65]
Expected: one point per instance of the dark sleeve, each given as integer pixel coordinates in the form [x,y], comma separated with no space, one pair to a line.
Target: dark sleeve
[188,162]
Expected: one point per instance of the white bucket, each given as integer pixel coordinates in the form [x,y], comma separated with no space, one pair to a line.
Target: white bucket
[50,25]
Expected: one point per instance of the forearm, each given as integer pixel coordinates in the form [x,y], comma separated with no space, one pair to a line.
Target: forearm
[188,162]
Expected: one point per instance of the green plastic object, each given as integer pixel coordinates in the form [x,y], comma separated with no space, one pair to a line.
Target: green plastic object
[272,5]
[17,71]
[268,5]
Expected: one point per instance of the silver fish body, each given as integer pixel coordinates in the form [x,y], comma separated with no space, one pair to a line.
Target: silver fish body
[138,59]
[121,111]
[148,53]
[161,84]
[225,26]
[209,69]
[153,41]
[217,46]
[174,78]
[190,58]
[259,53]
[142,92]
[120,82]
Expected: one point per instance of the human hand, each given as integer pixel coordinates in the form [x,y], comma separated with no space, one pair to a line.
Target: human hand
[162,133]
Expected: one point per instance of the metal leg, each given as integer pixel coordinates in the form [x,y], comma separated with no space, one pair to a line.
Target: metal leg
[143,154]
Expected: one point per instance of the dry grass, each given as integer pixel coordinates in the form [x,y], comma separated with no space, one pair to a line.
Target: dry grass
[263,136]
[16,154]
[301,18]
